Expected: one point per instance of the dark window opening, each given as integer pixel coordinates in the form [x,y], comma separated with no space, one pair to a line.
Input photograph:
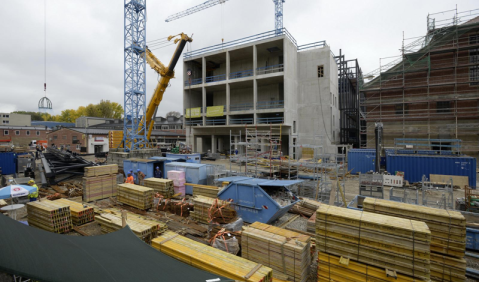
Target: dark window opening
[443,106]
[402,109]
[320,71]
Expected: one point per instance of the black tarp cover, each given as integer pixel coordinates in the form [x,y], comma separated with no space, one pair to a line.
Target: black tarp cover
[118,256]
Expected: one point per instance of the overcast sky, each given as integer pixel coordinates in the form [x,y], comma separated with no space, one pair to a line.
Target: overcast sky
[85,40]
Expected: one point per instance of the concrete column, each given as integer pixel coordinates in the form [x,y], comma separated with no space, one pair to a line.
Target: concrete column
[255,59]
[203,69]
[213,143]
[255,97]
[203,104]
[228,65]
[220,144]
[228,104]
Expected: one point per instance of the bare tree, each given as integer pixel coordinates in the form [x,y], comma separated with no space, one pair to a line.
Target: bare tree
[173,114]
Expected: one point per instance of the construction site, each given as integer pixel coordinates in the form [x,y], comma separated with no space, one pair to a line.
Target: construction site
[290,164]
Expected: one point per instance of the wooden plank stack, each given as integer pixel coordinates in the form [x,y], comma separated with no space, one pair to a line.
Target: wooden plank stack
[311,224]
[332,268]
[91,171]
[80,214]
[284,251]
[144,229]
[204,190]
[136,196]
[162,186]
[210,259]
[209,210]
[448,235]
[387,242]
[99,182]
[50,216]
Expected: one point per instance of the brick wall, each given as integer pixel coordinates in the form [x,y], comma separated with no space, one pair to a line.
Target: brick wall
[22,137]
[68,137]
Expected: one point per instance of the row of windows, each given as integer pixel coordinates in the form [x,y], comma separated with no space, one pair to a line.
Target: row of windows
[6,116]
[5,121]
[64,137]
[17,132]
[68,147]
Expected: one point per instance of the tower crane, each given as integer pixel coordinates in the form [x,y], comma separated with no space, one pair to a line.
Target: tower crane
[278,12]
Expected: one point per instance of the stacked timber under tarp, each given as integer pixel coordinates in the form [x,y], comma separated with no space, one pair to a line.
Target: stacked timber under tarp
[80,214]
[144,229]
[99,182]
[49,216]
[135,195]
[386,242]
[204,190]
[162,186]
[211,259]
[335,268]
[208,210]
[448,235]
[284,251]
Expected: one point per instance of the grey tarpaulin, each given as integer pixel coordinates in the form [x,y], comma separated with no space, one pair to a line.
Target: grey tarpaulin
[118,256]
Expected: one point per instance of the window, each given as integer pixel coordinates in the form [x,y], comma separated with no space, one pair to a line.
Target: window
[294,126]
[6,116]
[443,106]
[74,138]
[321,71]
[28,132]
[5,132]
[474,59]
[6,121]
[17,132]
[38,133]
[402,109]
[333,120]
[55,137]
[64,137]
[78,146]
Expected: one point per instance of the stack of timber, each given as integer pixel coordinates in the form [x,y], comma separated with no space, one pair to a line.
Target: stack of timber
[334,268]
[387,242]
[91,171]
[144,229]
[448,235]
[50,216]
[181,208]
[210,259]
[284,251]
[209,210]
[99,187]
[136,196]
[80,214]
[311,224]
[162,186]
[204,190]
[305,207]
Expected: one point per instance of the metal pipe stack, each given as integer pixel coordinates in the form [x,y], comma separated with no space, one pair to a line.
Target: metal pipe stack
[382,241]
[210,259]
[448,235]
[162,186]
[208,210]
[136,196]
[49,216]
[284,251]
[80,214]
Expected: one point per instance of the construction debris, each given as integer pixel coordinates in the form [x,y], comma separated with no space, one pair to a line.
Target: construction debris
[162,186]
[80,214]
[49,216]
[136,196]
[211,259]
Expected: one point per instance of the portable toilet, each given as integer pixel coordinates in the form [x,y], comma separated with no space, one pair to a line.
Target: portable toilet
[194,173]
[260,199]
[163,161]
[189,158]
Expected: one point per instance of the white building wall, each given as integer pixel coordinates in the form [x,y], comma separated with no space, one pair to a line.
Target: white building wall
[97,141]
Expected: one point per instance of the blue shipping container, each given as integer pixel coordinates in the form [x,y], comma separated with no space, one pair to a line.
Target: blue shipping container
[189,158]
[361,160]
[415,166]
[164,161]
[472,239]
[194,173]
[8,162]
[146,166]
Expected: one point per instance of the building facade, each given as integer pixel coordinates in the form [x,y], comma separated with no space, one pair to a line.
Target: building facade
[13,119]
[80,140]
[430,92]
[269,84]
[22,136]
[83,121]
[171,123]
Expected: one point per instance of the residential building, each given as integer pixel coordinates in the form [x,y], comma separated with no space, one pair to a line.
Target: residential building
[80,140]
[264,81]
[431,91]
[13,119]
[170,123]
[21,136]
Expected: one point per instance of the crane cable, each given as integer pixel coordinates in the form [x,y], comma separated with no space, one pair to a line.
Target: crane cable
[222,24]
[45,47]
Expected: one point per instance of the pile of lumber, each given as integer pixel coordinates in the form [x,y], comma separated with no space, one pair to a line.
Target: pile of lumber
[50,216]
[204,190]
[91,171]
[144,229]
[136,196]
[448,235]
[210,259]
[311,224]
[181,208]
[334,268]
[305,207]
[179,225]
[387,242]
[209,210]
[80,214]
[99,187]
[162,186]
[284,251]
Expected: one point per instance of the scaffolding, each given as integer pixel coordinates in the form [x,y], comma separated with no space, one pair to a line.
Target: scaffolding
[431,90]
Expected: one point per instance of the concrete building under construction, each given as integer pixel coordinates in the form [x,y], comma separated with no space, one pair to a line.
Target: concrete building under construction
[265,82]
[431,90]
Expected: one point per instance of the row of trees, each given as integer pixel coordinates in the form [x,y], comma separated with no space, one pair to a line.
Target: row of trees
[104,109]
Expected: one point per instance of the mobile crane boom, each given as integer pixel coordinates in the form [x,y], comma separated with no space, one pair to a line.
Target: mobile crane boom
[166,74]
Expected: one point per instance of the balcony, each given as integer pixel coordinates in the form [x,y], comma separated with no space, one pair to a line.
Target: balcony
[241,120]
[193,122]
[270,120]
[216,121]
[193,82]
[241,74]
[241,107]
[215,78]
[270,69]
[263,105]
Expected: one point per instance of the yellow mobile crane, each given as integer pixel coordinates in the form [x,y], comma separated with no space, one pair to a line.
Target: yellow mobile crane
[166,74]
